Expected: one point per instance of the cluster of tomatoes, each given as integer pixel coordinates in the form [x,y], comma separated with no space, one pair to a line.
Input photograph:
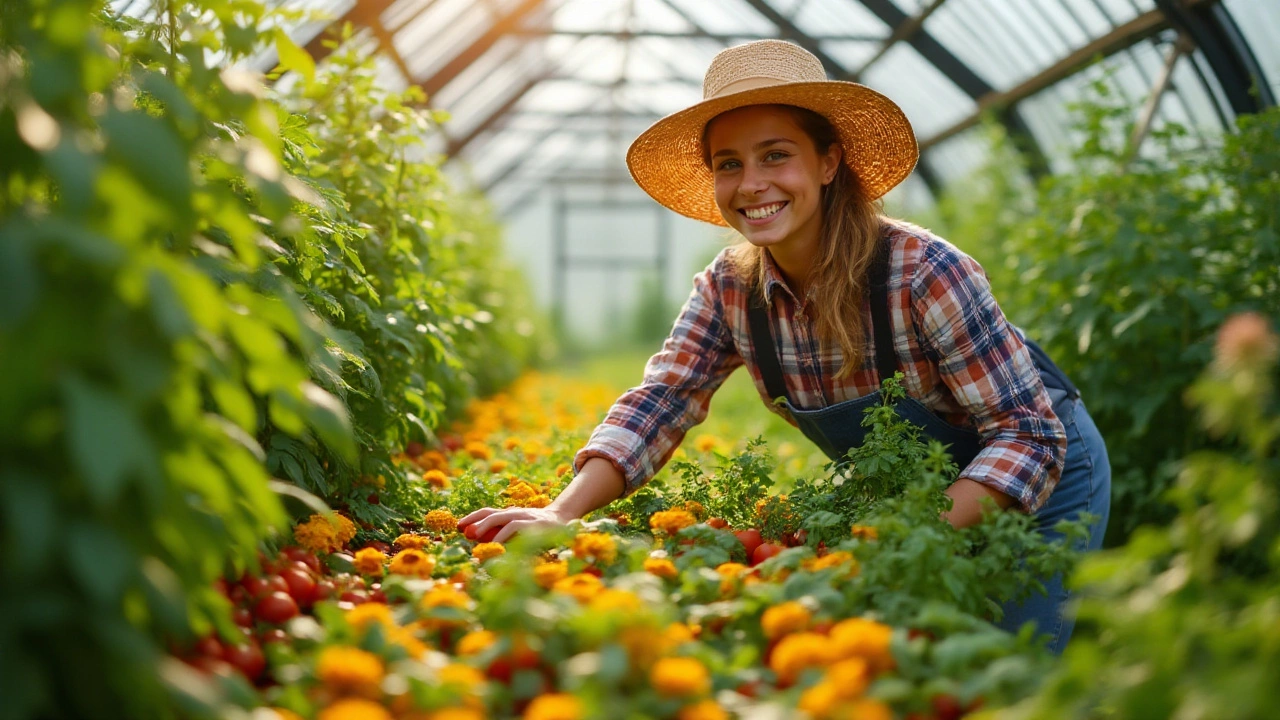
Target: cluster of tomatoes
[262,603]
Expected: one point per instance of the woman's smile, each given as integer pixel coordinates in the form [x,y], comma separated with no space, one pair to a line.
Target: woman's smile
[762,214]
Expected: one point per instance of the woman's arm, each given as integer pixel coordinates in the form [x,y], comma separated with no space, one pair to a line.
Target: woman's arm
[596,485]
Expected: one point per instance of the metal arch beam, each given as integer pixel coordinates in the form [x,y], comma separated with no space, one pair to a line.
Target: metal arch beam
[457,145]
[902,31]
[1215,32]
[478,47]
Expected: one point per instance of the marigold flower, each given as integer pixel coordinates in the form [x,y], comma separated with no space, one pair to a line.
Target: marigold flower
[354,709]
[476,642]
[784,619]
[369,561]
[703,710]
[832,560]
[511,443]
[797,652]
[413,563]
[730,573]
[867,639]
[864,532]
[408,541]
[661,567]
[463,677]
[677,634]
[487,551]
[478,450]
[597,547]
[285,714]
[707,443]
[581,586]
[498,466]
[547,574]
[671,521]
[445,595]
[820,700]
[405,638]
[436,477]
[350,670]
[433,460]
[851,676]
[554,706]
[610,599]
[696,509]
[680,677]
[320,535]
[440,522]
[365,614]
[562,468]
[456,713]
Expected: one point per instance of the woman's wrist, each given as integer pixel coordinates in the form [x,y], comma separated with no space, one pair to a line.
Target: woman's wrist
[597,484]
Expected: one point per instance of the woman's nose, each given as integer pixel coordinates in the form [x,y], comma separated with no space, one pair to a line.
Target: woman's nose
[753,182]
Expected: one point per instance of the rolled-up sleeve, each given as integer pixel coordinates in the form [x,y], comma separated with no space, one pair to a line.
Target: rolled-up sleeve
[989,370]
[647,424]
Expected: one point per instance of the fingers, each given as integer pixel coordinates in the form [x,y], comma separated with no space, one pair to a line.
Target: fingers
[480,514]
[511,528]
[496,518]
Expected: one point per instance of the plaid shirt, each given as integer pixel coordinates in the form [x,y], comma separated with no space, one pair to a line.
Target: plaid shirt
[962,359]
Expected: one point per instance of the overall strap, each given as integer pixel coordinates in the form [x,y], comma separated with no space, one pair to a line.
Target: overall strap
[766,353]
[886,360]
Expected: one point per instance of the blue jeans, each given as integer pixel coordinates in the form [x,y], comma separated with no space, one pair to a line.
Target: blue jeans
[1085,487]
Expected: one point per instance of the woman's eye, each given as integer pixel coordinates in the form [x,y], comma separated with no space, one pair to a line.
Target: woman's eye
[775,155]
[728,165]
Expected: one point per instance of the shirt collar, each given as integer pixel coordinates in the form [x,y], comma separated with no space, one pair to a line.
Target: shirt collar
[773,278]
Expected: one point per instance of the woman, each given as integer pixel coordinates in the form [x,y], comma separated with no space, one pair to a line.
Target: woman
[824,299]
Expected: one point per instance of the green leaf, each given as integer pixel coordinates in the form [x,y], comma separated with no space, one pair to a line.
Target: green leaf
[105,439]
[99,560]
[295,58]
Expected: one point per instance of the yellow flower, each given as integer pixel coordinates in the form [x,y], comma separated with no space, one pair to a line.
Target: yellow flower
[671,521]
[445,595]
[354,709]
[797,652]
[436,477]
[851,676]
[677,634]
[412,542]
[706,443]
[511,443]
[696,509]
[285,714]
[440,522]
[462,677]
[404,637]
[864,532]
[680,676]
[433,460]
[661,567]
[832,560]
[820,699]
[703,710]
[486,551]
[476,642]
[867,639]
[351,670]
[595,546]
[616,600]
[478,450]
[562,468]
[365,614]
[730,573]
[866,709]
[368,561]
[320,535]
[414,563]
[548,574]
[554,706]
[784,619]
[581,586]
[456,713]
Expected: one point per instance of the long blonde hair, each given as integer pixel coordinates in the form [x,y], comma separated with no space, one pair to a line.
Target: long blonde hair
[852,227]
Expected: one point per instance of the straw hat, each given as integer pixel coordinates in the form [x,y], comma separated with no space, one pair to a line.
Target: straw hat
[666,160]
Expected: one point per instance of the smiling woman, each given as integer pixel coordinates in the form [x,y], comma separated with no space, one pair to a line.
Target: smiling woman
[824,301]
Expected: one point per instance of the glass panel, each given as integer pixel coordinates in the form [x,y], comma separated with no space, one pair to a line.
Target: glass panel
[1259,22]
[931,101]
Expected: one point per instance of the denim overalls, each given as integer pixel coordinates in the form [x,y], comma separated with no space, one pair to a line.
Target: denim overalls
[1085,484]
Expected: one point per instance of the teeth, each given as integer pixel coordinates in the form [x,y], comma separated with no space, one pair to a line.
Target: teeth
[763,212]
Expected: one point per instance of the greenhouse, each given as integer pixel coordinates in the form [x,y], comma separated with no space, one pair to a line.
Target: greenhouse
[673,359]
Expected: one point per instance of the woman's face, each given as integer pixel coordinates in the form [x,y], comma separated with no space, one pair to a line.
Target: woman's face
[769,177]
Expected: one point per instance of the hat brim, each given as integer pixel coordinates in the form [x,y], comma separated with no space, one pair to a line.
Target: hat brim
[879,144]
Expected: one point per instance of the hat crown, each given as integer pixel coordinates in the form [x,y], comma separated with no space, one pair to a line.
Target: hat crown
[760,64]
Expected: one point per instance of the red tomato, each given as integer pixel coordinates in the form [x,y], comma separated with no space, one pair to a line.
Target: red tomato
[797,538]
[209,647]
[302,588]
[750,540]
[324,589]
[213,665]
[242,617]
[749,688]
[946,707]
[247,658]
[258,587]
[355,597]
[471,532]
[763,552]
[374,499]
[493,533]
[414,449]
[276,608]
[451,442]
[275,635]
[718,523]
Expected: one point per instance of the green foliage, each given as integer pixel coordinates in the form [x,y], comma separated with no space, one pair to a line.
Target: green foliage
[1171,626]
[1123,270]
[191,301]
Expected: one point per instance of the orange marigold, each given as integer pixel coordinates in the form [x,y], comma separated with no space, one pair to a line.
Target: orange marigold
[784,619]
[463,677]
[498,466]
[554,706]
[562,468]
[547,574]
[581,586]
[354,709]
[433,460]
[797,652]
[456,713]
[610,599]
[487,551]
[864,532]
[436,477]
[365,614]
[832,560]
[511,443]
[597,547]
[369,561]
[413,563]
[405,638]
[680,677]
[703,710]
[441,522]
[476,641]
[320,534]
[350,670]
[867,639]
[408,541]
[478,450]
[707,443]
[661,567]
[671,521]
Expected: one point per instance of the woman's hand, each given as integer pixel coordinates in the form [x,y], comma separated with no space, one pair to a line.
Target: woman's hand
[510,521]
[597,484]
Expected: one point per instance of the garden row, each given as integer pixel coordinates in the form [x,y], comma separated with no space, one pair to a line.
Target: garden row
[216,312]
